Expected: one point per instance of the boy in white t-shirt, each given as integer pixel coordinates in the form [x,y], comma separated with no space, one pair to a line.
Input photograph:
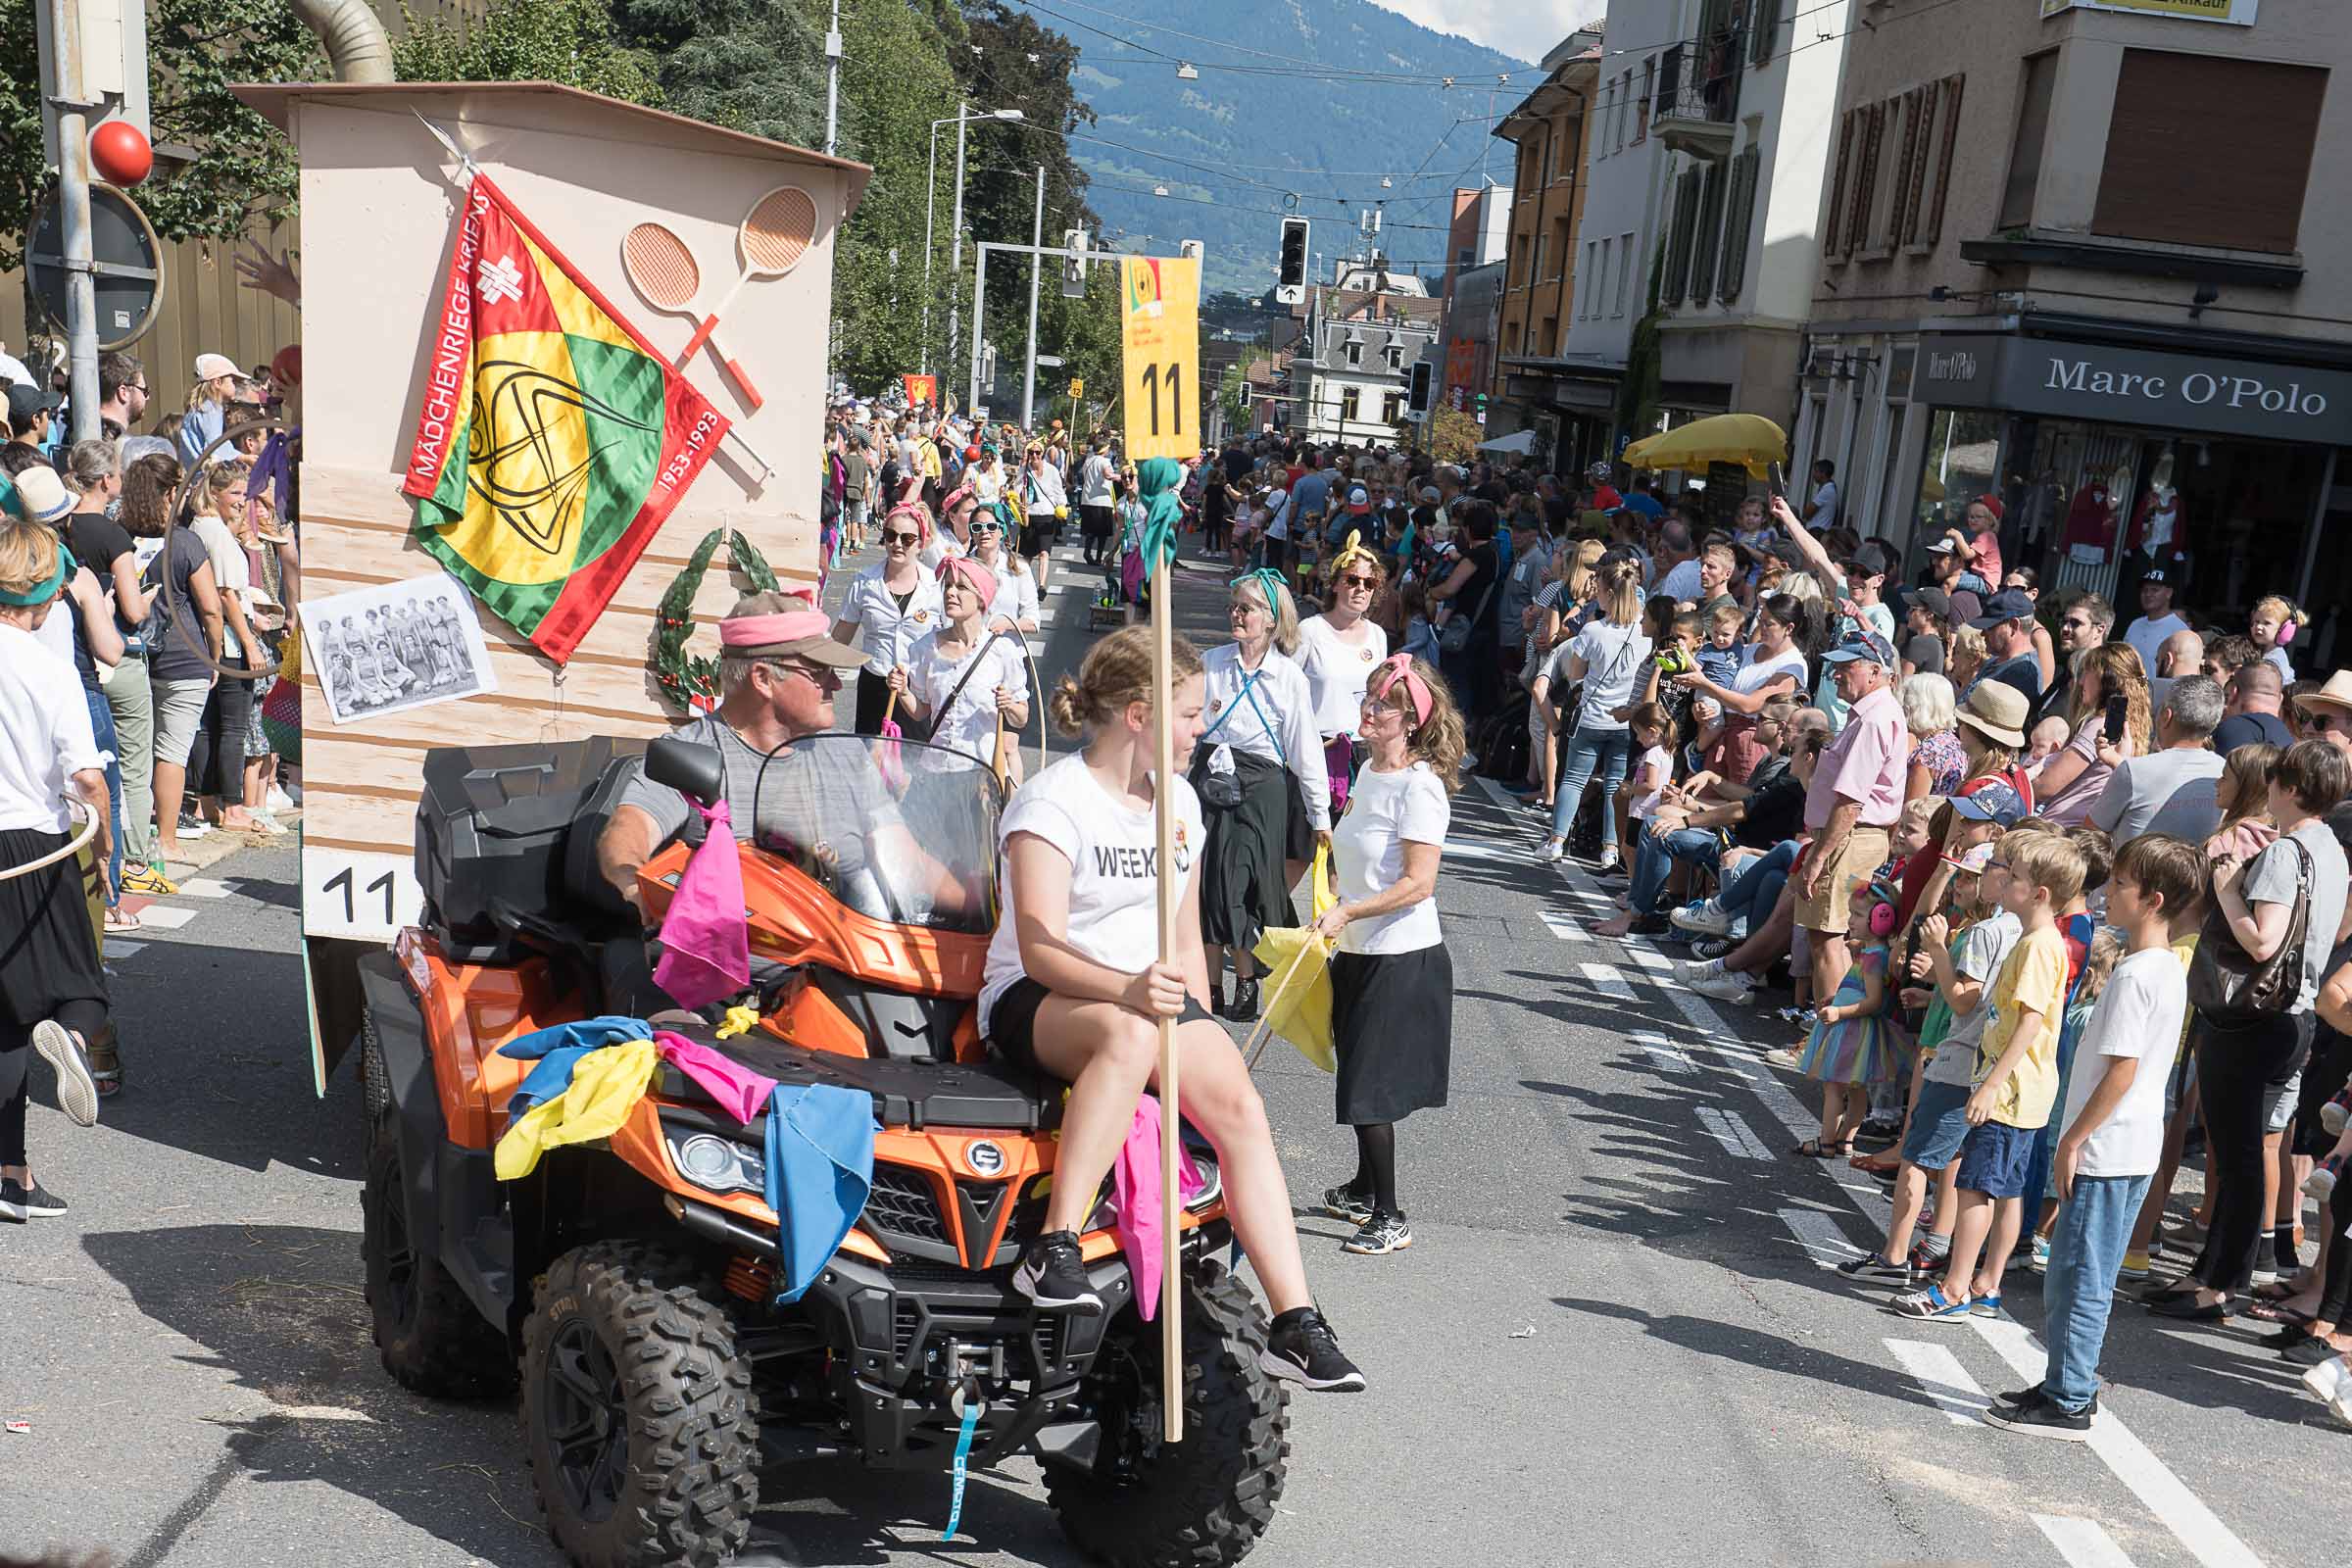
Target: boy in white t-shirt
[2114,1137]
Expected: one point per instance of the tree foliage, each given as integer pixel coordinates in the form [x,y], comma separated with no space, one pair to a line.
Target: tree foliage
[756,66]
[571,41]
[1453,437]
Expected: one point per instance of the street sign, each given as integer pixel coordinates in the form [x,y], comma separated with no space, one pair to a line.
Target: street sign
[1160,355]
[126,265]
[1077,387]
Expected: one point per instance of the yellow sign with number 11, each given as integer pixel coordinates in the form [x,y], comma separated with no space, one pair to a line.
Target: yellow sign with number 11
[1159,349]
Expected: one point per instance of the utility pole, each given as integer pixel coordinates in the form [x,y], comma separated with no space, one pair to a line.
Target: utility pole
[956,267]
[64,81]
[833,82]
[1037,272]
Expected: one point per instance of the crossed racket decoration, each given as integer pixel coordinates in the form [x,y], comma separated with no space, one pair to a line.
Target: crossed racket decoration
[770,241]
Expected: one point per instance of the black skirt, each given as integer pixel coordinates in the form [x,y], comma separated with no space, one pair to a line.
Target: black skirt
[48,954]
[1392,1022]
[1243,890]
[873,698]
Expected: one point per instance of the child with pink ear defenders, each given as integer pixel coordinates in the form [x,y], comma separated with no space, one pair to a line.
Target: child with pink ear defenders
[1856,1039]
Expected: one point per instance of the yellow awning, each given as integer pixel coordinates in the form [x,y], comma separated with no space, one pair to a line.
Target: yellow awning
[1747,439]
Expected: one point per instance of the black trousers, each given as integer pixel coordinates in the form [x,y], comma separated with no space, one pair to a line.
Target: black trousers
[216,765]
[2240,1065]
[84,1019]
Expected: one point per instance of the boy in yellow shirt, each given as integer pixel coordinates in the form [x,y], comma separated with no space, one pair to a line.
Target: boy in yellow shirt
[2015,1080]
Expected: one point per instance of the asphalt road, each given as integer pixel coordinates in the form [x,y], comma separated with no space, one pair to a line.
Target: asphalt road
[1617,1337]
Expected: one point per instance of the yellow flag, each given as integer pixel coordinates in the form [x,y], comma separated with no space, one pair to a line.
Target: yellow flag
[1160,350]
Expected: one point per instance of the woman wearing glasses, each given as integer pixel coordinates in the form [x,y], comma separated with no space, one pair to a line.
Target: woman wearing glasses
[1259,769]
[1014,607]
[887,609]
[1339,650]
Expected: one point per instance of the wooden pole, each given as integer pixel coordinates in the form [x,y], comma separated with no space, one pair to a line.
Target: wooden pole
[1163,806]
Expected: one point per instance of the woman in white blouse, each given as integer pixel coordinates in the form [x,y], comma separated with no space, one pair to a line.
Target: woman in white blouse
[1259,769]
[1339,649]
[1014,608]
[1391,980]
[962,678]
[889,606]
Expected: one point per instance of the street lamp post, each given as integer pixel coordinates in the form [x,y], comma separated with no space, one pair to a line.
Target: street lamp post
[931,205]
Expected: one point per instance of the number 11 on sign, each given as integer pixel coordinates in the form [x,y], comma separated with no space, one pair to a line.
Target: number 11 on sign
[1159,342]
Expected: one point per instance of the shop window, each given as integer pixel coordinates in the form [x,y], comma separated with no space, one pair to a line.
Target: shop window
[2237,181]
[1963,462]
[2025,152]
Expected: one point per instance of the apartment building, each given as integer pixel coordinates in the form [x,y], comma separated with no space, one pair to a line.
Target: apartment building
[1477,241]
[1360,334]
[2084,271]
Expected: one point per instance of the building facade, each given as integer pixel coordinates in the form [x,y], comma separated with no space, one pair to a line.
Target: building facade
[1360,339]
[1476,243]
[2121,330]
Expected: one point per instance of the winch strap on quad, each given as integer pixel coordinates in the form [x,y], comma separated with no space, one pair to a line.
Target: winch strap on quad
[972,1406]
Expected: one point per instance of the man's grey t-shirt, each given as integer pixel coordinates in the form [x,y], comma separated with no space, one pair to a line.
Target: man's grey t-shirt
[2271,879]
[1978,954]
[1924,653]
[815,788]
[2143,786]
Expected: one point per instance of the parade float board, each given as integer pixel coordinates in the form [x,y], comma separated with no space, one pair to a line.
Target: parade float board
[380,199]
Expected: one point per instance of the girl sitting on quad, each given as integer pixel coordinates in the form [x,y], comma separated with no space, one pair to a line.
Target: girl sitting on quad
[1079,858]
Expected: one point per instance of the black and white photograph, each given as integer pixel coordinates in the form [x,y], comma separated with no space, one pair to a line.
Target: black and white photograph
[398,646]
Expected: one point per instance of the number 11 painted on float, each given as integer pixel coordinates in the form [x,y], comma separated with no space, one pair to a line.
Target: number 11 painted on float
[1160,346]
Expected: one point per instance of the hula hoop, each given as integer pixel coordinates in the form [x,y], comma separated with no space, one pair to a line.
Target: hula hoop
[90,831]
[186,510]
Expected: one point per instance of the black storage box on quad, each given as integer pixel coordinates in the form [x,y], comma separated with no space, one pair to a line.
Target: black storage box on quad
[492,827]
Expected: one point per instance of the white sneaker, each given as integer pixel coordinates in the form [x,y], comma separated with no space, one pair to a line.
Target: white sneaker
[278,800]
[1551,851]
[1608,858]
[1725,987]
[1690,971]
[2330,1383]
[1707,919]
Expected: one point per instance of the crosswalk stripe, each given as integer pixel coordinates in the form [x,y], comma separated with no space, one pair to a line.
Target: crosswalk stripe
[1727,1129]
[163,918]
[1944,1379]
[1607,981]
[117,949]
[202,887]
[2081,1541]
[1564,926]
[1822,1237]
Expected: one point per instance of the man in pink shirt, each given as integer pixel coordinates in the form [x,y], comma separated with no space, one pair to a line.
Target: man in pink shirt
[1853,802]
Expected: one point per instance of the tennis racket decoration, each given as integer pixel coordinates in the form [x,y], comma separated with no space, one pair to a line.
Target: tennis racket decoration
[773,237]
[667,278]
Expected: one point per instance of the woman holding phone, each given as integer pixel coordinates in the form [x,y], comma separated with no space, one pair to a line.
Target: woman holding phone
[2111,705]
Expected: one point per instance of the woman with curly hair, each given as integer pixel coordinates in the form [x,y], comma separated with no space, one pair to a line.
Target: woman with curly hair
[2071,781]
[1392,979]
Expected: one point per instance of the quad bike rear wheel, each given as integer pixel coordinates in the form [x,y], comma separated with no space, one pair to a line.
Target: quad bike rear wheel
[1205,1501]
[637,1411]
[427,1333]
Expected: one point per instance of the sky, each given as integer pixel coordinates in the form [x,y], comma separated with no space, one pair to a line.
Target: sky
[1525,29]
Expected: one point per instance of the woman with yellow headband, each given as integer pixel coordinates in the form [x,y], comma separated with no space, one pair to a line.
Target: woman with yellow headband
[1337,650]
[52,994]
[1258,768]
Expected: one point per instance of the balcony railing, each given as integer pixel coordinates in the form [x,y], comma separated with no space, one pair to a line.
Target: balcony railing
[1697,98]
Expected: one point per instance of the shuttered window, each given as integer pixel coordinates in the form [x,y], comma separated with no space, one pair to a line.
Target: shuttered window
[1678,243]
[1866,177]
[1949,115]
[1833,224]
[1766,24]
[2025,149]
[2233,177]
[1925,149]
[1739,219]
[1706,234]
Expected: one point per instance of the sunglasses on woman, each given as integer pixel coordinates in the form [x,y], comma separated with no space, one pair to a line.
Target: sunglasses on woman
[901,538]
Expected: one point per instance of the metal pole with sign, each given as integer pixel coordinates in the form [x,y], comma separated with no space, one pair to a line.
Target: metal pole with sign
[1036,269]
[68,97]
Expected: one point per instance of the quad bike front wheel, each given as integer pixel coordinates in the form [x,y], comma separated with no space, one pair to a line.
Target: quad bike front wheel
[1205,1501]
[637,1411]
[427,1333]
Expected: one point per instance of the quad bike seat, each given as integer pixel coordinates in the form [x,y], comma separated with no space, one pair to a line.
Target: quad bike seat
[907,1093]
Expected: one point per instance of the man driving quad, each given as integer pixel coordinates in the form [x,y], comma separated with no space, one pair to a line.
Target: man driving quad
[778,668]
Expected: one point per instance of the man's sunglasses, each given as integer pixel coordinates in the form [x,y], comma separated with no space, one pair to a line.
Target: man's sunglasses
[2325,719]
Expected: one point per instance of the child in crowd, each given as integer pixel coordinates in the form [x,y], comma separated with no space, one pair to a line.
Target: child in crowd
[1963,968]
[2276,623]
[1854,1042]
[2045,741]
[2113,1121]
[2076,928]
[1653,761]
[1420,638]
[2015,1080]
[1722,656]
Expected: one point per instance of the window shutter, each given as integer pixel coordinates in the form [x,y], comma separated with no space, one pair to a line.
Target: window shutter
[1833,228]
[1906,231]
[1944,158]
[1737,221]
[1707,234]
[1866,178]
[1678,244]
[1766,25]
[1898,192]
[2236,179]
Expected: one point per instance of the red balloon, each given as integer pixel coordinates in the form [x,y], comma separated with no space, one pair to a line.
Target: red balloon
[120,152]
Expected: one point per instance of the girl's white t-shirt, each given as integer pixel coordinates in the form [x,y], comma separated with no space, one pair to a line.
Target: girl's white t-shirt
[1016,590]
[970,726]
[1759,671]
[1659,757]
[1114,855]
[1367,853]
[886,633]
[1338,670]
[1612,656]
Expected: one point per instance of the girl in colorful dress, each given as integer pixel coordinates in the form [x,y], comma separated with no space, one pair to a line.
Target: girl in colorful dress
[1856,1040]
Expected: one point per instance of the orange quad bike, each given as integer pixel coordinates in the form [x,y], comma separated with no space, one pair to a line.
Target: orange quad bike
[630,1285]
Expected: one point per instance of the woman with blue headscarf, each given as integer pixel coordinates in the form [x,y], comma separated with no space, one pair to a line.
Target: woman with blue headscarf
[1258,768]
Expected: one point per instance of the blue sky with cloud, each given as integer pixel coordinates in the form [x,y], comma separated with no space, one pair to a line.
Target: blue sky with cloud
[1522,28]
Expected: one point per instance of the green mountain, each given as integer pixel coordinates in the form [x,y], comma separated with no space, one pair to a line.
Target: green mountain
[1286,114]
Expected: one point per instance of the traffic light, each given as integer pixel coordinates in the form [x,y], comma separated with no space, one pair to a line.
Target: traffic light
[1073,266]
[1418,400]
[1290,277]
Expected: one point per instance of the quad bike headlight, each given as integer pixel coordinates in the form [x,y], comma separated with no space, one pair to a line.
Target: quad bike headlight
[717,1164]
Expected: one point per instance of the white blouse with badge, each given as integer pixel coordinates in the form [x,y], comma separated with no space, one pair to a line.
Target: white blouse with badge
[1336,672]
[1272,716]
[887,634]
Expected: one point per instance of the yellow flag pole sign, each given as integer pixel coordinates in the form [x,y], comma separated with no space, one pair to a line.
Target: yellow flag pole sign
[1159,347]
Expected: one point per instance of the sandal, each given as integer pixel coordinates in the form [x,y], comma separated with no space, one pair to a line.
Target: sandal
[1815,1149]
[1875,1164]
[121,919]
[106,1067]
[2273,1312]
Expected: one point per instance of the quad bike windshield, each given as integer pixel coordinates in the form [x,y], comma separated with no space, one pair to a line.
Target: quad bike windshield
[896,830]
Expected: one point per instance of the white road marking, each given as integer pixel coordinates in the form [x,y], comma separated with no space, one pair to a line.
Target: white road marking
[116,947]
[202,887]
[2080,1541]
[322,1412]
[1564,926]
[1821,1236]
[163,918]
[1606,979]
[1727,1129]
[1664,1052]
[1472,850]
[1944,1379]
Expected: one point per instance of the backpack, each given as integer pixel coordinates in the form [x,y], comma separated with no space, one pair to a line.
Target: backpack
[1502,742]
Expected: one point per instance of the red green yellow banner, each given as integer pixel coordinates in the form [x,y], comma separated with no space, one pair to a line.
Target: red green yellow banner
[553,441]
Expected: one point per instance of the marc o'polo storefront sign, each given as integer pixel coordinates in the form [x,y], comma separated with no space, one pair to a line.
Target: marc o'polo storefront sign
[2135,386]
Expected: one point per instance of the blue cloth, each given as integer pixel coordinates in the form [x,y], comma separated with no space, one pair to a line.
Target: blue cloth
[1719,665]
[199,428]
[559,1047]
[820,1166]
[1648,506]
[1939,1125]
[1993,1159]
[1755,888]
[2087,1248]
[2045,1143]
[1589,752]
[102,725]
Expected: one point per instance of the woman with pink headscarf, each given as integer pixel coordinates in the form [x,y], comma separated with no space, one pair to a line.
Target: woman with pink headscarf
[961,678]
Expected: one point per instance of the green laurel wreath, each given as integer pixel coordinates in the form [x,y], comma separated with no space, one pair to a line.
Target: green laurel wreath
[691,682]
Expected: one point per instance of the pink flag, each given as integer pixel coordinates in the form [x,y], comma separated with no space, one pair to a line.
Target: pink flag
[705,941]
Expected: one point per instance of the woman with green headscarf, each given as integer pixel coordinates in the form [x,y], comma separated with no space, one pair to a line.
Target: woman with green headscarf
[1259,769]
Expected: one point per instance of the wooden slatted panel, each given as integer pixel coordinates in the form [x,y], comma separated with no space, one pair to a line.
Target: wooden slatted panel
[1943,162]
[1833,224]
[2229,178]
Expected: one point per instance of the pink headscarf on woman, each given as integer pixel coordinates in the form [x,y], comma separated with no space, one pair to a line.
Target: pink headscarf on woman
[982,580]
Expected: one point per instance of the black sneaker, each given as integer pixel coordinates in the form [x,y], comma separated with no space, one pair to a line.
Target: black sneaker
[2021,1396]
[1382,1233]
[1345,1203]
[12,1201]
[39,1201]
[1706,948]
[2046,1417]
[1303,1350]
[1871,1269]
[1217,996]
[1244,1006]
[1052,1275]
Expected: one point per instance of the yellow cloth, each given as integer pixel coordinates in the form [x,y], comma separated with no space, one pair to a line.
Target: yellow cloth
[2031,980]
[1299,1009]
[605,1087]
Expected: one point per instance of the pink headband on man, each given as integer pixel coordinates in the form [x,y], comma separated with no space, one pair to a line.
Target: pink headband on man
[1399,668]
[982,580]
[778,627]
